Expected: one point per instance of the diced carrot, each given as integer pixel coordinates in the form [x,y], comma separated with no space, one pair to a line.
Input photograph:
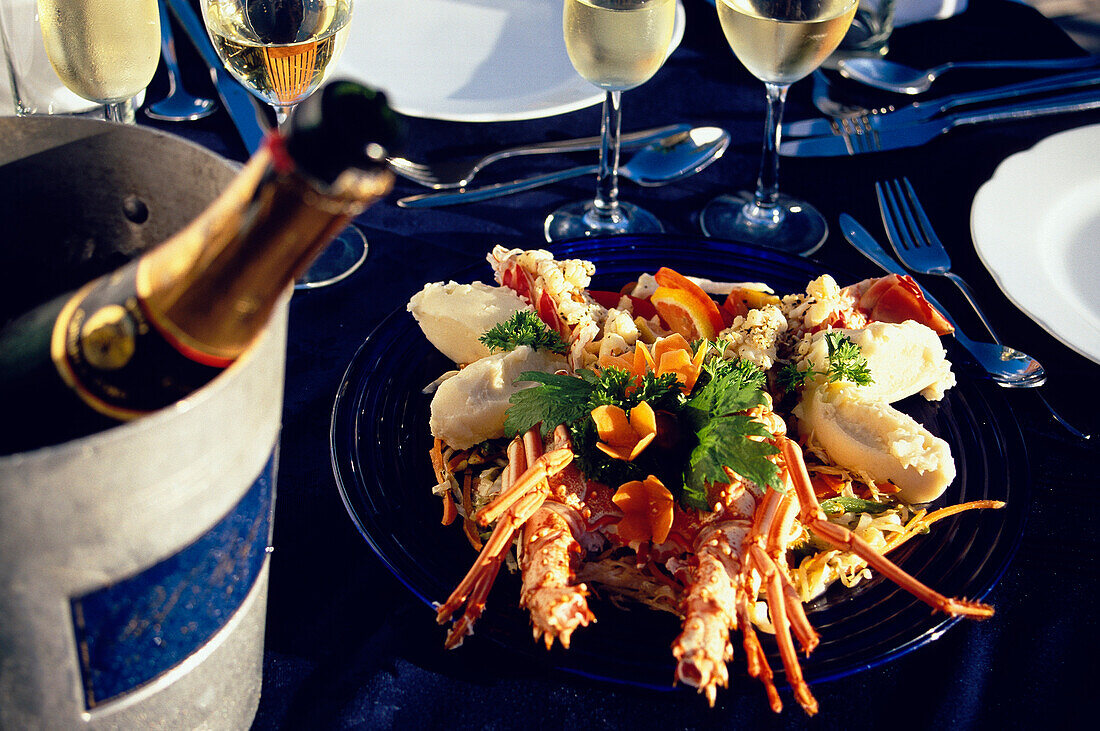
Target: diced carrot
[613,425]
[437,460]
[450,511]
[467,483]
[458,462]
[673,355]
[826,484]
[672,343]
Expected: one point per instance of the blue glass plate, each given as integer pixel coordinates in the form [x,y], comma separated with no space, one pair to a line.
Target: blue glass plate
[380,442]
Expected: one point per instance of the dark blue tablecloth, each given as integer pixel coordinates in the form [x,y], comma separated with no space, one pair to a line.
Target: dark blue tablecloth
[348,646]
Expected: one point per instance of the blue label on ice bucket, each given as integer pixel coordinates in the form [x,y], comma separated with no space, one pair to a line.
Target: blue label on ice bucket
[133,631]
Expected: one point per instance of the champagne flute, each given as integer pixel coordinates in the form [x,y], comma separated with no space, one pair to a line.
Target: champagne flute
[616,45]
[779,42]
[282,51]
[106,51]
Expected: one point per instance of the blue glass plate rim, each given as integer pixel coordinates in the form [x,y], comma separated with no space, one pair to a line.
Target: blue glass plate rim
[887,622]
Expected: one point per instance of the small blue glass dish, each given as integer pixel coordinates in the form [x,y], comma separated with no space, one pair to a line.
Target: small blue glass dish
[380,441]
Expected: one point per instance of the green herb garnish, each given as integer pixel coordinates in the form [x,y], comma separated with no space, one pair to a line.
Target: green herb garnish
[723,433]
[846,363]
[564,399]
[569,400]
[558,399]
[523,328]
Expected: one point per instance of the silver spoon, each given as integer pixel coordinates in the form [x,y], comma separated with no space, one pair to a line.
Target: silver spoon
[179,105]
[830,107]
[896,77]
[658,163]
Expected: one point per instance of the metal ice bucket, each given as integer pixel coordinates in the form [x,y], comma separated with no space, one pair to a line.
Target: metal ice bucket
[133,562]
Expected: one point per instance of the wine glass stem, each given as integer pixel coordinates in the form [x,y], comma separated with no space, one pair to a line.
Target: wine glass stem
[282,113]
[123,111]
[767,184]
[606,203]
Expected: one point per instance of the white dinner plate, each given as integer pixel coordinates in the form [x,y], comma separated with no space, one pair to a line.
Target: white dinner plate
[469,60]
[1036,227]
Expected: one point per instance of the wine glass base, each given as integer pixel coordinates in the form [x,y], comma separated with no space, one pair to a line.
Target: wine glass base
[794,226]
[577,220]
[341,257]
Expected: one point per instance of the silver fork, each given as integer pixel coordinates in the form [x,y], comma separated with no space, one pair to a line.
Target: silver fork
[859,136]
[915,242]
[460,173]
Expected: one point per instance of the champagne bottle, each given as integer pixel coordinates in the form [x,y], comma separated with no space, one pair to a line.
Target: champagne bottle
[165,324]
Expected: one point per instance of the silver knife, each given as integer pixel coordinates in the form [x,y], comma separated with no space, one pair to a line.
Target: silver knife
[240,104]
[923,111]
[918,134]
[1000,355]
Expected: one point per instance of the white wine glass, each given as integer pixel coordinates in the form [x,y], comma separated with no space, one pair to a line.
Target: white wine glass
[282,51]
[779,42]
[105,51]
[616,45]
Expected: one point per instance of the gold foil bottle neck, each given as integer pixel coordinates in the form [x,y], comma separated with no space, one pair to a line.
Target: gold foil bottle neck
[213,285]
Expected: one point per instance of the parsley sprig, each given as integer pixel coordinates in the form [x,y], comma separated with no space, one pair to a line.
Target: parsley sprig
[723,431]
[523,328]
[846,363]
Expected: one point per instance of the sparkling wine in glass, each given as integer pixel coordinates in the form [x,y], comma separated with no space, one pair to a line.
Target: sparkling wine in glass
[616,45]
[281,51]
[106,51]
[779,42]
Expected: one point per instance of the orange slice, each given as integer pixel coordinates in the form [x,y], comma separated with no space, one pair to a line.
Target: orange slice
[685,313]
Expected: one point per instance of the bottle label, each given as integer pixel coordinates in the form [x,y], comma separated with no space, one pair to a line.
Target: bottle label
[109,351]
[135,630]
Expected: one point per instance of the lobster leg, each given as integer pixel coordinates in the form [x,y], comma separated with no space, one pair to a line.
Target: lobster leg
[814,518]
[474,588]
[775,513]
[533,478]
[756,660]
[519,500]
[778,600]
